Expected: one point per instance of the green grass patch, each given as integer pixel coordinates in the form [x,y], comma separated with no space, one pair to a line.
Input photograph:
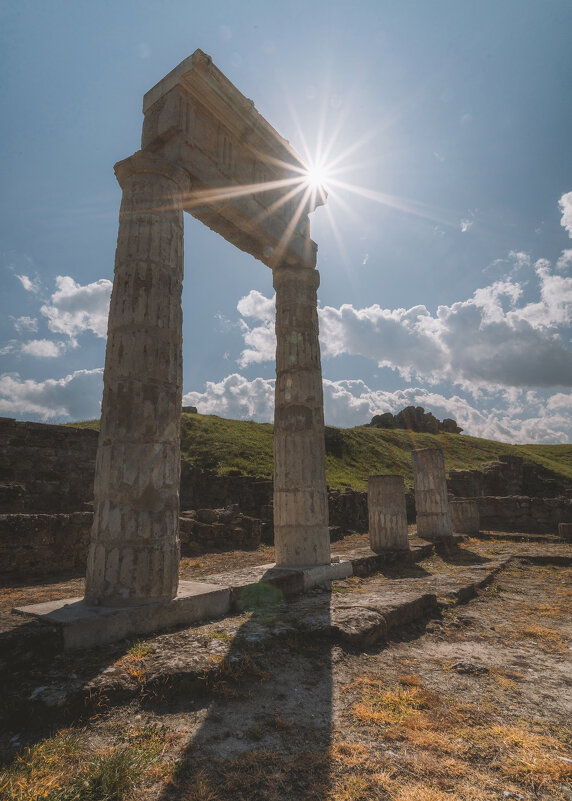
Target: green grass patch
[63,768]
[352,454]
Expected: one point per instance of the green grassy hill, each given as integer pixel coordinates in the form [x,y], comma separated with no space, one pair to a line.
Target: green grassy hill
[353,454]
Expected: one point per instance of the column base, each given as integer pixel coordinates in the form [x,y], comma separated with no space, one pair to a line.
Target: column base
[301,546]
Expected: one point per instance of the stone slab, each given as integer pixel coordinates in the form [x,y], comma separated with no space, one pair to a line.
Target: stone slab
[83,626]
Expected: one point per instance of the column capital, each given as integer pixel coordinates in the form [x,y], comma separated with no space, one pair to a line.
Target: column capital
[286,273]
[143,163]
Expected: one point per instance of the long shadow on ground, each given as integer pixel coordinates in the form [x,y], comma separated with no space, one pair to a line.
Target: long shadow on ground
[267,731]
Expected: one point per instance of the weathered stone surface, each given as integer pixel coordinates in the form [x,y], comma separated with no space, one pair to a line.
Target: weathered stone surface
[387,514]
[510,475]
[300,495]
[431,501]
[565,531]
[243,171]
[45,468]
[134,552]
[528,515]
[37,545]
[464,514]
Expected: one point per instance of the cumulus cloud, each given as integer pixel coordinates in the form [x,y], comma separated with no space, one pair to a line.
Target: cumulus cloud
[235,397]
[565,204]
[74,308]
[22,324]
[260,340]
[565,260]
[491,340]
[351,402]
[75,397]
[43,348]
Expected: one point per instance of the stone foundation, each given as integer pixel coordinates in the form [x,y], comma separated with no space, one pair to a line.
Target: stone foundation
[527,515]
[38,545]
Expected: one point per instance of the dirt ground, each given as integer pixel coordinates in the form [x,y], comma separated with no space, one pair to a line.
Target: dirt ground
[472,704]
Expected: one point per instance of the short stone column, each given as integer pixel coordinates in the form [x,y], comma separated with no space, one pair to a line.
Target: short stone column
[464,513]
[134,552]
[301,534]
[431,500]
[387,514]
[565,531]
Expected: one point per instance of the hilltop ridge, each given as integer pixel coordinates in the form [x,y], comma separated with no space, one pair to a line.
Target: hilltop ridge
[352,454]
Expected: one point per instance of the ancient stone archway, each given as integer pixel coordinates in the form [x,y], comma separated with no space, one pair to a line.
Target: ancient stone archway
[205,150]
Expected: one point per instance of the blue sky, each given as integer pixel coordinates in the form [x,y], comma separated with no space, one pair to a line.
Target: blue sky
[445,248]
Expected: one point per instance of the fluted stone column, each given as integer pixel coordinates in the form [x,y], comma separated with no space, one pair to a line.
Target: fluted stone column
[465,516]
[431,499]
[387,514]
[301,534]
[134,552]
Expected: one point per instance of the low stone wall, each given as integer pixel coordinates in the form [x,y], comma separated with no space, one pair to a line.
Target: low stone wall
[203,489]
[220,529]
[37,545]
[45,468]
[520,513]
[511,475]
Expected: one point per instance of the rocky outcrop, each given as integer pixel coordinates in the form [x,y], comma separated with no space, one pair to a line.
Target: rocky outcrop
[415,418]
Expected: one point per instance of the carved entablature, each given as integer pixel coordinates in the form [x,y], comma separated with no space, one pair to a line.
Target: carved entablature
[247,181]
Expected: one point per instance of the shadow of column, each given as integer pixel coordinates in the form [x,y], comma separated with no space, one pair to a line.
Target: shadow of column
[266,732]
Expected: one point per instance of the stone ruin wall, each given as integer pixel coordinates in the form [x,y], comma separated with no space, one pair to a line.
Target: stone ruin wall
[46,495]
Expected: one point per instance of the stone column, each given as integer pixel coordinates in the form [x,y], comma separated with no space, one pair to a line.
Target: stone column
[387,514]
[134,552]
[464,514]
[301,534]
[431,500]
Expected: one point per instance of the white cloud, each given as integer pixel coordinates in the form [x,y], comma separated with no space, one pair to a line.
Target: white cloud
[30,284]
[74,308]
[519,259]
[75,397]
[351,402]
[256,305]
[491,340]
[465,225]
[565,204]
[22,324]
[565,260]
[43,348]
[235,397]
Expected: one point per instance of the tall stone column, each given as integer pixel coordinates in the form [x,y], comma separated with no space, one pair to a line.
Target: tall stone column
[134,552]
[387,514]
[431,499]
[301,533]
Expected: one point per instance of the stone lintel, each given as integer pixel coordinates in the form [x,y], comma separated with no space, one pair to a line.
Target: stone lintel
[247,181]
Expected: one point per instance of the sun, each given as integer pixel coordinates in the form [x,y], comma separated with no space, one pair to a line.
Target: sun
[316,176]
